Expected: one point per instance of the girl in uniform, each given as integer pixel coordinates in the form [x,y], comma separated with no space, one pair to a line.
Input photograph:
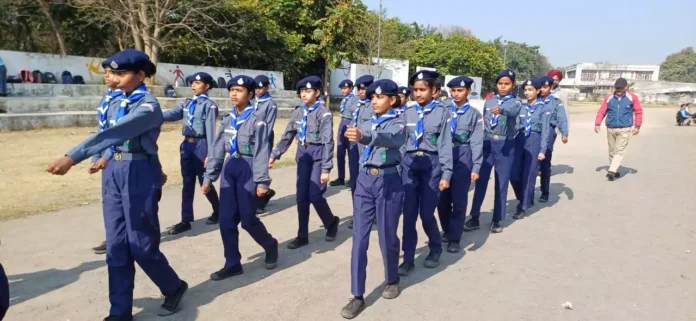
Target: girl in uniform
[467,141]
[379,192]
[536,132]
[426,168]
[558,119]
[244,134]
[405,98]
[312,123]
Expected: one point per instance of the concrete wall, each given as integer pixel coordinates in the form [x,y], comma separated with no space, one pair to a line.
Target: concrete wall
[346,70]
[90,68]
[399,69]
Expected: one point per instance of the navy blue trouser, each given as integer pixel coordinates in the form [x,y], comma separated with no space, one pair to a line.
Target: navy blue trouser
[192,160]
[453,201]
[238,204]
[376,196]
[501,154]
[342,148]
[421,177]
[529,164]
[545,165]
[310,190]
[4,293]
[3,81]
[131,192]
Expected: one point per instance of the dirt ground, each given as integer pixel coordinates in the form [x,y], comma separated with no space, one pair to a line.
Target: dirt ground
[620,250]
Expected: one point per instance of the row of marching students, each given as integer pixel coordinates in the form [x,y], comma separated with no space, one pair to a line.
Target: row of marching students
[419,157]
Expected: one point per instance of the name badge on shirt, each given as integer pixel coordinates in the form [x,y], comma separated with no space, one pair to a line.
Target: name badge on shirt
[464,137]
[316,136]
[198,121]
[503,122]
[433,139]
[536,127]
[247,149]
[383,156]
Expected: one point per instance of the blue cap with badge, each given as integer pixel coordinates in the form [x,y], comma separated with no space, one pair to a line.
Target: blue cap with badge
[364,81]
[383,87]
[202,76]
[506,73]
[536,83]
[242,81]
[130,60]
[345,83]
[461,81]
[405,91]
[545,81]
[311,82]
[424,75]
[262,81]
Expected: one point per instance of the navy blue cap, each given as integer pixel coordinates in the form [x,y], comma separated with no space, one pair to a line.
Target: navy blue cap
[262,81]
[536,83]
[405,91]
[345,83]
[424,75]
[130,60]
[311,82]
[383,87]
[438,84]
[201,76]
[364,81]
[506,73]
[621,83]
[242,81]
[545,81]
[461,81]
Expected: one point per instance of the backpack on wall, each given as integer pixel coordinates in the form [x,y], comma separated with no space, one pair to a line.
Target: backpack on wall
[50,78]
[169,91]
[78,80]
[66,77]
[14,80]
[221,82]
[38,77]
[26,76]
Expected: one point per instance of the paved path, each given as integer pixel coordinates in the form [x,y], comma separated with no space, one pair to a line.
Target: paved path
[617,251]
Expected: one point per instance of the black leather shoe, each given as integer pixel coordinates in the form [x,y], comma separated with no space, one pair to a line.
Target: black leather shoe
[544,198]
[227,273]
[118,318]
[496,228]
[611,176]
[348,183]
[212,220]
[444,237]
[173,301]
[406,268]
[180,228]
[337,182]
[297,243]
[353,308]
[453,247]
[617,175]
[272,257]
[350,224]
[433,259]
[101,249]
[472,224]
[332,230]
[519,215]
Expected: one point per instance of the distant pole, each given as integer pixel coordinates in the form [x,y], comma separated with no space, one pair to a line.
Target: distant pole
[505,55]
[379,32]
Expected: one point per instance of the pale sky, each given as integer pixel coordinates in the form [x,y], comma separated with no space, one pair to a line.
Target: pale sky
[568,31]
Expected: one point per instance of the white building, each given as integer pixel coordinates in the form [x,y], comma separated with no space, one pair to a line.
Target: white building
[600,75]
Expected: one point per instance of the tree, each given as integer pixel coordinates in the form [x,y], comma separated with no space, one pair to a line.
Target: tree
[679,66]
[452,31]
[524,59]
[54,25]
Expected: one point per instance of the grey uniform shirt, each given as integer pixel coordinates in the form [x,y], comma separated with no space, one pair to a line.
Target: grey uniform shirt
[319,132]
[437,136]
[558,118]
[507,120]
[351,104]
[252,140]
[469,131]
[110,114]
[268,110]
[365,113]
[540,123]
[136,132]
[386,140]
[204,119]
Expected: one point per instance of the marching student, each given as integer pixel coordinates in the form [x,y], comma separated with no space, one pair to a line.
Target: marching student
[467,141]
[348,106]
[244,134]
[266,106]
[312,123]
[198,130]
[558,119]
[536,129]
[426,168]
[379,192]
[405,98]
[500,120]
[132,185]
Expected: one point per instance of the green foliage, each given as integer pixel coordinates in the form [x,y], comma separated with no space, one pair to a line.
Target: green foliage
[524,59]
[680,66]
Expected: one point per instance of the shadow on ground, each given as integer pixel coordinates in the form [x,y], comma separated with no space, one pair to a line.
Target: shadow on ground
[622,170]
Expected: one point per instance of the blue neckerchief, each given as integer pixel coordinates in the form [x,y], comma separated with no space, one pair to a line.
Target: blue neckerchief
[356,112]
[302,132]
[376,122]
[104,109]
[530,112]
[400,110]
[136,95]
[236,122]
[419,126]
[501,101]
[261,99]
[343,103]
[547,99]
[456,111]
[192,108]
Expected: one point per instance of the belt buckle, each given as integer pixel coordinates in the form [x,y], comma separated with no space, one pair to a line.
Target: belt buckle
[118,156]
[191,140]
[496,137]
[374,171]
[236,155]
[419,153]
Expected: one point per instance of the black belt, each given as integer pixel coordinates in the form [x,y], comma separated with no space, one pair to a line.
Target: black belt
[376,171]
[457,144]
[123,156]
[553,126]
[421,152]
[192,139]
[240,155]
[313,144]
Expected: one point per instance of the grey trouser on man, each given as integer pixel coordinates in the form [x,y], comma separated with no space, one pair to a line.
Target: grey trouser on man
[618,140]
[3,81]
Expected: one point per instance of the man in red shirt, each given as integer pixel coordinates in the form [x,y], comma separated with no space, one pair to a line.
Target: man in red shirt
[620,109]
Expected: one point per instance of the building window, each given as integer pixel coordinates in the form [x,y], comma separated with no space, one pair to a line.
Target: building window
[571,74]
[644,75]
[615,75]
[588,75]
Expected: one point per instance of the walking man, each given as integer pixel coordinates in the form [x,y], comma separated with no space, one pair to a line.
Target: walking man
[619,109]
